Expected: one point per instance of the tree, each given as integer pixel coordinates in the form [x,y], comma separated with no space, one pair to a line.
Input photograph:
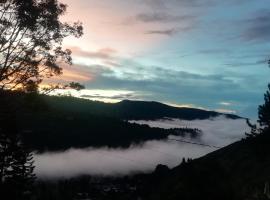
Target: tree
[263,115]
[31,37]
[75,86]
[264,111]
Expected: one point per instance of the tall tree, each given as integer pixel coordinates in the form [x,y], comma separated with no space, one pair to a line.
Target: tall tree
[263,116]
[31,37]
[264,111]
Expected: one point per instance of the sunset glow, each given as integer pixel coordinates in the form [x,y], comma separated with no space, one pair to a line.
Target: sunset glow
[178,52]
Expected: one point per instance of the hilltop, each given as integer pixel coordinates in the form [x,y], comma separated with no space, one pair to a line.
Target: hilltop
[127,109]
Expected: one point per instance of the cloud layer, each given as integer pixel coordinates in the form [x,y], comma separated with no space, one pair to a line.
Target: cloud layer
[143,158]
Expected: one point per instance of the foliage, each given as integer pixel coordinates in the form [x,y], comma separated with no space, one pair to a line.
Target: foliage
[31,37]
[263,117]
[264,111]
[75,86]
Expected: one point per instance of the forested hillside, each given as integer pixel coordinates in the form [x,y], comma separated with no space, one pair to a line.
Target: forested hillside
[129,109]
[238,171]
[78,123]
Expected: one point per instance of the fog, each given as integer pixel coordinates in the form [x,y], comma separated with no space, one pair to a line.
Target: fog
[140,158]
[219,131]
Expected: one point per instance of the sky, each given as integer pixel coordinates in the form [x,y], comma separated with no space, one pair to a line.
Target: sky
[209,54]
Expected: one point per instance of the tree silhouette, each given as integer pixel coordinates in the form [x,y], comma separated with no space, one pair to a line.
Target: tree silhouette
[264,111]
[31,36]
[263,115]
[75,86]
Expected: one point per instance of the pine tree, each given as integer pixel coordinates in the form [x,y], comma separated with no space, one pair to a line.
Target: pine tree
[263,116]
[264,111]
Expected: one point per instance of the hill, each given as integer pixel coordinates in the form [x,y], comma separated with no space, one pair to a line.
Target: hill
[59,123]
[126,109]
[238,171]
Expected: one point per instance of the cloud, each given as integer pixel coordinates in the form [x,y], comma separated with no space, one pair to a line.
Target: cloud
[251,63]
[218,131]
[77,73]
[183,87]
[223,110]
[215,51]
[258,27]
[162,17]
[142,158]
[161,4]
[115,97]
[223,103]
[168,32]
[105,53]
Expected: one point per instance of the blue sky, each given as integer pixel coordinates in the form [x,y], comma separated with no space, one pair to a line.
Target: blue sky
[201,53]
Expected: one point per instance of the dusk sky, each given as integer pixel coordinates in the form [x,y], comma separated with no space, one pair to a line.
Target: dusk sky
[210,54]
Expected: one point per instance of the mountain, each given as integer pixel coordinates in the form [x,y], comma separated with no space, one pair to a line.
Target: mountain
[59,123]
[126,109]
[155,110]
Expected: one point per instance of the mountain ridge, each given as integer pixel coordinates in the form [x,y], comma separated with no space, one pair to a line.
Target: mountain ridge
[133,110]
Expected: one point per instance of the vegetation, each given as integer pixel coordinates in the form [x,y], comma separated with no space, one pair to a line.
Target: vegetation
[30,41]
[31,36]
[66,128]
[264,111]
[130,110]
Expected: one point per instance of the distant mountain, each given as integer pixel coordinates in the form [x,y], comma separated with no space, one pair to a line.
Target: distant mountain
[136,110]
[59,123]
[154,110]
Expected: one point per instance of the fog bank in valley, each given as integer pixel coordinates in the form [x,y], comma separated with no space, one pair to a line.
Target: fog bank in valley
[140,158]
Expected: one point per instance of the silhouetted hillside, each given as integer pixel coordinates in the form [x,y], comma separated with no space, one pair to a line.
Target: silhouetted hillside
[131,109]
[59,123]
[238,171]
